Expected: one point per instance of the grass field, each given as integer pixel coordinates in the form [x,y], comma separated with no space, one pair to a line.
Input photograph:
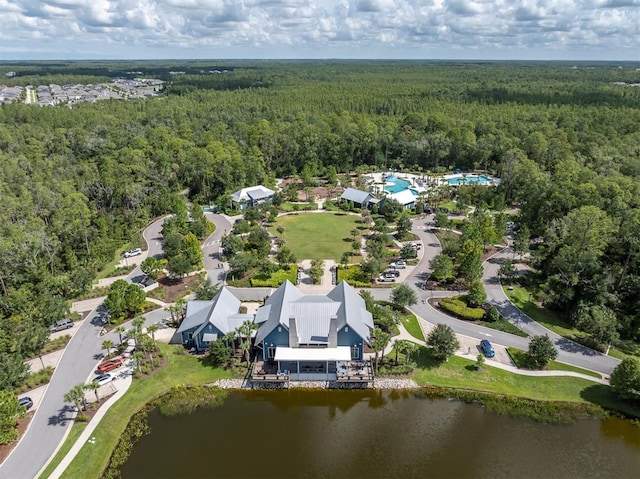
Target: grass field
[181,369]
[318,235]
[521,298]
[459,373]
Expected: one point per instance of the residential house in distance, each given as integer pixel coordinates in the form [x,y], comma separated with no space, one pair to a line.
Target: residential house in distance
[206,321]
[251,196]
[359,198]
[304,337]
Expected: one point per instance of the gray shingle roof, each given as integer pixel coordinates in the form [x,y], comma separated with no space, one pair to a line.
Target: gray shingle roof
[278,311]
[217,312]
[352,310]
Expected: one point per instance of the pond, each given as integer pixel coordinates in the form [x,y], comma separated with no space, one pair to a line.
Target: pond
[375,434]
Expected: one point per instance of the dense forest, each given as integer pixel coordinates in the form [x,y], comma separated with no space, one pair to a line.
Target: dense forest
[78,183]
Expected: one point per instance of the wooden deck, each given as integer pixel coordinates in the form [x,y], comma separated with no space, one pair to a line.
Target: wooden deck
[355,372]
[267,371]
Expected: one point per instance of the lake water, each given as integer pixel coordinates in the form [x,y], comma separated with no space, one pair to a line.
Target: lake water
[375,434]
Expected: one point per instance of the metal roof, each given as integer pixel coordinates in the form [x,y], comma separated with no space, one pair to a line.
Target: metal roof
[313,319]
[357,196]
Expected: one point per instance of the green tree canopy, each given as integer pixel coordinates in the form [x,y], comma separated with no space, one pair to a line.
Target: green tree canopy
[542,351]
[443,341]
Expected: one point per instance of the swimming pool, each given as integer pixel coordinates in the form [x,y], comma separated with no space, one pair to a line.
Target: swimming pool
[396,185]
[469,180]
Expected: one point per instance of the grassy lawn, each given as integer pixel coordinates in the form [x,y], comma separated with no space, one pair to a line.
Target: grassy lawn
[459,373]
[520,358]
[74,434]
[181,369]
[410,323]
[318,235]
[521,298]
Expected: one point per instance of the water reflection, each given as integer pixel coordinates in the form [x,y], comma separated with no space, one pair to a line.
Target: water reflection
[373,434]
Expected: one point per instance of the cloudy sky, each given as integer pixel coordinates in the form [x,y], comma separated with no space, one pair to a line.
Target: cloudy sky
[424,29]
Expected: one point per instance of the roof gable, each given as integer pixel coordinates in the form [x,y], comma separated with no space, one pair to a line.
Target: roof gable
[217,312]
[357,196]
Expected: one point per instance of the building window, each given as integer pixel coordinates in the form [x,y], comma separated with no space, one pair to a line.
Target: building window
[355,352]
[190,335]
[279,329]
[271,352]
[346,329]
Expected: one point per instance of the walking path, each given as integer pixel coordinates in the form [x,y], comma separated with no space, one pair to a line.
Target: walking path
[86,437]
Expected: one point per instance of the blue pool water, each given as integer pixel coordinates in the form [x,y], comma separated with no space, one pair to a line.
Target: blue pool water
[398,184]
[469,180]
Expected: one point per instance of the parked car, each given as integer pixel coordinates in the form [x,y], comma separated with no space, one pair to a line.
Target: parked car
[61,325]
[401,264]
[392,273]
[109,365]
[103,379]
[386,279]
[416,246]
[487,349]
[132,252]
[26,402]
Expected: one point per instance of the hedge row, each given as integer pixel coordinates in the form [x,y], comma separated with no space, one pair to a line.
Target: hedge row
[276,279]
[460,309]
[354,276]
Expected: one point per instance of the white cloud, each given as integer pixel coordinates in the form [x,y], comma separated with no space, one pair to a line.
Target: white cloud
[588,29]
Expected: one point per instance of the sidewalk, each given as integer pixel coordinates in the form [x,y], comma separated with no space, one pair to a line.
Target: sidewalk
[469,350]
[86,437]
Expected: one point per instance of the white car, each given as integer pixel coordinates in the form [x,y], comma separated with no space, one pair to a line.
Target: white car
[103,379]
[133,252]
[398,265]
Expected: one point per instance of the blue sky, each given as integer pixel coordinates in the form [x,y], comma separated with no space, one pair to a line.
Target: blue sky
[393,29]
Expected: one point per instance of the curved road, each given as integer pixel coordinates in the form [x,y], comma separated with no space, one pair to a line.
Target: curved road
[52,417]
[568,351]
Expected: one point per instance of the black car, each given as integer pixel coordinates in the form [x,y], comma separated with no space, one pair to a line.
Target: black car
[26,402]
[392,273]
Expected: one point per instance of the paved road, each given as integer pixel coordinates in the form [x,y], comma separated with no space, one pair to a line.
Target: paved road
[568,351]
[53,416]
[153,236]
[212,248]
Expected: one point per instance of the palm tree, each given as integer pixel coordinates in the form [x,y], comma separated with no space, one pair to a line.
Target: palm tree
[137,358]
[379,342]
[244,331]
[76,396]
[230,340]
[120,330]
[151,329]
[137,328]
[107,344]
[94,386]
[149,346]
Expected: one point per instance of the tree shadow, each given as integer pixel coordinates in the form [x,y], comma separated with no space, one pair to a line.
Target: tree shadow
[63,416]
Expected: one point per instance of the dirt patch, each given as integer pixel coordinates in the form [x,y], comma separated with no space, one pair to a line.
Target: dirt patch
[174,289]
[5,449]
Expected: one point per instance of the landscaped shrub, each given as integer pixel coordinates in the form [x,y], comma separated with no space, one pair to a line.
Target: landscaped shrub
[354,276]
[275,279]
[460,309]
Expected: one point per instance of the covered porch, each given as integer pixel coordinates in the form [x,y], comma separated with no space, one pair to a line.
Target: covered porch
[313,364]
